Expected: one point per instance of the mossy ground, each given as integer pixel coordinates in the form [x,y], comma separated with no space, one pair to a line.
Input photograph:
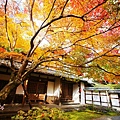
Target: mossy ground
[86,115]
[82,113]
[94,113]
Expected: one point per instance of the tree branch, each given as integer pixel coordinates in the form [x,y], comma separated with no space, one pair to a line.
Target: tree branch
[31,14]
[100,55]
[95,7]
[64,7]
[107,71]
[6,26]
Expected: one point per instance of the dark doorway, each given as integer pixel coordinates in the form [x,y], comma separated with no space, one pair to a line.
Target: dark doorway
[67,91]
[37,87]
[3,83]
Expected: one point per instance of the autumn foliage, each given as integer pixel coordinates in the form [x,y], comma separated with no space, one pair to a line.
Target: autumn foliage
[80,37]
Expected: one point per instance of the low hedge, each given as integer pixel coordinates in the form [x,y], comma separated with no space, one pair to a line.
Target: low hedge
[43,113]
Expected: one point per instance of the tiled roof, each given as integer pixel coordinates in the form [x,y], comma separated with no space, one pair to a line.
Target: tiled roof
[43,69]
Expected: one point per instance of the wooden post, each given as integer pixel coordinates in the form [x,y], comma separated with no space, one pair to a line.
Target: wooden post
[82,93]
[119,98]
[85,96]
[110,100]
[60,94]
[107,98]
[92,97]
[100,98]
[27,95]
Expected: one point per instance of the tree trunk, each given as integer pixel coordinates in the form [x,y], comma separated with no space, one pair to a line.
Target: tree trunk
[27,96]
[16,79]
[7,89]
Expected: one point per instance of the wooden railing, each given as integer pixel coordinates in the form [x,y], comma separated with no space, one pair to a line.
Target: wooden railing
[35,98]
[39,97]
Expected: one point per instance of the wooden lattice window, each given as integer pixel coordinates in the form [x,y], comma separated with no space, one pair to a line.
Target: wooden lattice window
[36,87]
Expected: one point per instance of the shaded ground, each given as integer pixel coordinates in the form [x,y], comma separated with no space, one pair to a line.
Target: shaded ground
[10,110]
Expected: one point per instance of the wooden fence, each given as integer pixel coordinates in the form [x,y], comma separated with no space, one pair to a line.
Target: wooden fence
[102,97]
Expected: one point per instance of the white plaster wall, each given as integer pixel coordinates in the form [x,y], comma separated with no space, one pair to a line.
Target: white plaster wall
[19,89]
[89,102]
[105,104]
[104,99]
[57,87]
[76,93]
[96,98]
[115,99]
[103,93]
[50,88]
[114,95]
[88,97]
[96,103]
[82,93]
[115,102]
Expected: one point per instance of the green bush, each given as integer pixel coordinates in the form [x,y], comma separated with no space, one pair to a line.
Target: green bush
[43,113]
[101,109]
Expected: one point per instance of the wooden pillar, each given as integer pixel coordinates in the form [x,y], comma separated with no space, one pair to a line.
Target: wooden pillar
[92,96]
[100,98]
[79,88]
[85,96]
[110,100]
[82,93]
[107,95]
[60,93]
[119,98]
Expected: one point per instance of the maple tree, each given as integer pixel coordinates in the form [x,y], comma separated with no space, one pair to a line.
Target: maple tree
[78,37]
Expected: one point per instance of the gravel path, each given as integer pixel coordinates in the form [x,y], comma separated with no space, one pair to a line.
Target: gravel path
[116,118]
[108,118]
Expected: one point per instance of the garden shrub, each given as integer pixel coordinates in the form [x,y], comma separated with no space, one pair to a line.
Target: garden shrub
[101,109]
[43,113]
